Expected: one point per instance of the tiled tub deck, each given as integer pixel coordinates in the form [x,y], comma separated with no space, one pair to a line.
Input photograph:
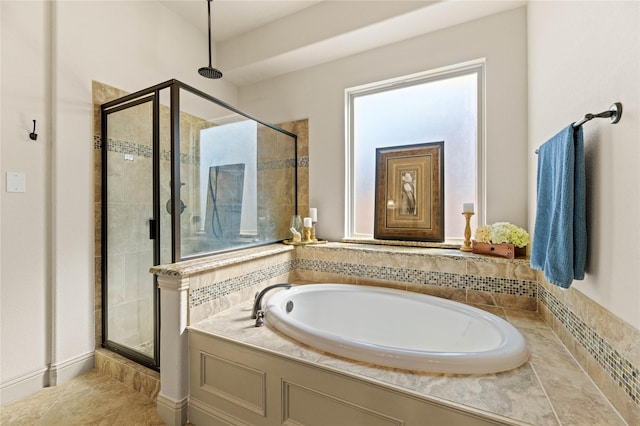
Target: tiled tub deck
[605,347]
[550,389]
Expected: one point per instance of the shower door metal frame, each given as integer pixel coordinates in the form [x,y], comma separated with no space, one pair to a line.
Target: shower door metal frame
[175,86]
[153,94]
[154,226]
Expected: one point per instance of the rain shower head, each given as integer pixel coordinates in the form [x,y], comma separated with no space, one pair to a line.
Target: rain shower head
[209,71]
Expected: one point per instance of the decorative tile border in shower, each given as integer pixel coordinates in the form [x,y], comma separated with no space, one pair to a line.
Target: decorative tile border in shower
[194,159]
[125,147]
[288,163]
[623,372]
[115,145]
[436,278]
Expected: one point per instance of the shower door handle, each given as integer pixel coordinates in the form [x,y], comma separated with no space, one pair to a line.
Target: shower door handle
[152,229]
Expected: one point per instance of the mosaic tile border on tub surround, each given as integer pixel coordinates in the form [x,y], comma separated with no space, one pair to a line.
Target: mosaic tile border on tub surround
[623,372]
[216,290]
[442,279]
[436,278]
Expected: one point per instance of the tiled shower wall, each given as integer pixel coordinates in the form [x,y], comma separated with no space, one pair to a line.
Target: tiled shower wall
[300,128]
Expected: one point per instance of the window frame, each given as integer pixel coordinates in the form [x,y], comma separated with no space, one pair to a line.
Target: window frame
[476,66]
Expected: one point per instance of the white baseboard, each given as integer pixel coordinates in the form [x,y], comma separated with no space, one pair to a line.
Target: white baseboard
[173,413]
[62,372]
[24,385]
[55,374]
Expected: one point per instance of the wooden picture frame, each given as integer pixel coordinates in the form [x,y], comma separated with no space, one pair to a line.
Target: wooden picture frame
[409,200]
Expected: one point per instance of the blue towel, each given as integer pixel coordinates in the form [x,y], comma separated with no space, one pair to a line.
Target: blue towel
[560,236]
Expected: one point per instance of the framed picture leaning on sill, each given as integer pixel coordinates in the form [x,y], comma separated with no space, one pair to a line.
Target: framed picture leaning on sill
[409,199]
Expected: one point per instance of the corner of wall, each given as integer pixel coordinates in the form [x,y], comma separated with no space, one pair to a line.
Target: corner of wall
[607,348]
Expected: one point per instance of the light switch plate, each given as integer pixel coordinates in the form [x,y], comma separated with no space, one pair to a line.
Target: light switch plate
[16,182]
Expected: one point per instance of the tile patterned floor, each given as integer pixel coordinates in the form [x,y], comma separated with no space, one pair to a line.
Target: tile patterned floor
[91,399]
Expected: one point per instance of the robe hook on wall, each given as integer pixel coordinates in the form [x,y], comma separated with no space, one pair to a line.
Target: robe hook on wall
[33,136]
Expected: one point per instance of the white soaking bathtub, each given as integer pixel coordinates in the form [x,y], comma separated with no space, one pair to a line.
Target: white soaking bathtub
[395,328]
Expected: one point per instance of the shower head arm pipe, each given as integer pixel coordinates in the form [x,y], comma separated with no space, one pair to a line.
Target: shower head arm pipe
[209,15]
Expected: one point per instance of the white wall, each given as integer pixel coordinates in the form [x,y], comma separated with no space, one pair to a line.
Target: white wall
[583,56]
[24,231]
[317,93]
[48,232]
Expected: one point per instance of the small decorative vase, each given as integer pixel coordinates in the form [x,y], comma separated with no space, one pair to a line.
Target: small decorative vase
[295,227]
[296,223]
[506,250]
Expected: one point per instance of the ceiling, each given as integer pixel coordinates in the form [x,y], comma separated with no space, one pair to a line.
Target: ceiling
[234,17]
[261,39]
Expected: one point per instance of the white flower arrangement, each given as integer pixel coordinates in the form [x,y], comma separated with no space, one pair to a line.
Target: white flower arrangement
[502,232]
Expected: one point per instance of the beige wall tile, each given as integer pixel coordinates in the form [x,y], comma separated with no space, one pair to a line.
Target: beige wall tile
[522,318]
[614,393]
[546,314]
[500,269]
[327,277]
[376,258]
[303,275]
[495,310]
[480,298]
[620,335]
[206,310]
[328,253]
[382,283]
[516,302]
[98,328]
[438,263]
[455,294]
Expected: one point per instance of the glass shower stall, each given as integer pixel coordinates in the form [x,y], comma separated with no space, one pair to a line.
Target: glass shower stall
[184,175]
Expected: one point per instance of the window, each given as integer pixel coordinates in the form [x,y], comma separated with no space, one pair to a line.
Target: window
[441,105]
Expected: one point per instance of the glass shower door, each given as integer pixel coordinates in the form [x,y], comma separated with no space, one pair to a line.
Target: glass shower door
[129,248]
[183,175]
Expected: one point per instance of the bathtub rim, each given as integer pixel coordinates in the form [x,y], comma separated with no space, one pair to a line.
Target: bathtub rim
[510,353]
